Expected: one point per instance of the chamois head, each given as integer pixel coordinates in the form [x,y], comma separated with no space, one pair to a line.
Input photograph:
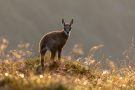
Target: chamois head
[67,26]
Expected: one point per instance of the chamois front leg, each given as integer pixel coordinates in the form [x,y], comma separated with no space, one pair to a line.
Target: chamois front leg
[59,53]
[53,53]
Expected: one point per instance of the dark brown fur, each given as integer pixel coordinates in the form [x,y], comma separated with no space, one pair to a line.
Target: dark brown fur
[54,41]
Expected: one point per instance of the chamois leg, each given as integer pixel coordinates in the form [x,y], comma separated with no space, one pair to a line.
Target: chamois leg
[59,54]
[53,63]
[42,54]
[53,53]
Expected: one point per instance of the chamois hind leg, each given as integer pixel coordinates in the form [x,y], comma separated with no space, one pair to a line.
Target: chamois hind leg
[59,53]
[42,54]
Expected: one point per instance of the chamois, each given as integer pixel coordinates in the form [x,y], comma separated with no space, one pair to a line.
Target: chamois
[54,42]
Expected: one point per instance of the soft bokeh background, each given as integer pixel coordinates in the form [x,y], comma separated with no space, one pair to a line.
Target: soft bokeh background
[108,22]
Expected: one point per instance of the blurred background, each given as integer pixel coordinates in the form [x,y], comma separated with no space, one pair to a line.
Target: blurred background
[107,22]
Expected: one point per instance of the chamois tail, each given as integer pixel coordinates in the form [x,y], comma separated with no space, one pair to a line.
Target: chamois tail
[42,44]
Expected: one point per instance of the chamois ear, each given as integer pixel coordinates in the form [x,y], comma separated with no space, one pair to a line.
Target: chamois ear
[63,22]
[71,22]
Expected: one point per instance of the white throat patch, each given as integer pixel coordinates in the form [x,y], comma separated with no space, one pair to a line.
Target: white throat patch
[68,34]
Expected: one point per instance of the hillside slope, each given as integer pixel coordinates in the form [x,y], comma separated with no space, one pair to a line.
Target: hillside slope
[66,75]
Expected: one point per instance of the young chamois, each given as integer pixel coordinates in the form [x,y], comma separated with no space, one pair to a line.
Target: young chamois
[54,42]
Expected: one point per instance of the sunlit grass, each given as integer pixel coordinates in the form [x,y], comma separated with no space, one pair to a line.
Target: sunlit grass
[18,71]
[20,75]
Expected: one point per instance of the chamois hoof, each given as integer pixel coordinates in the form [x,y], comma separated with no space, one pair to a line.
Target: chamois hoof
[54,65]
[39,69]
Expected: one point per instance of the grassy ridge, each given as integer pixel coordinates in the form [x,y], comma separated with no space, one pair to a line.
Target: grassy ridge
[68,75]
[22,75]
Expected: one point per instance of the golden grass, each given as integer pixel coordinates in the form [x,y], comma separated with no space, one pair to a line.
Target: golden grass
[18,72]
[69,75]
